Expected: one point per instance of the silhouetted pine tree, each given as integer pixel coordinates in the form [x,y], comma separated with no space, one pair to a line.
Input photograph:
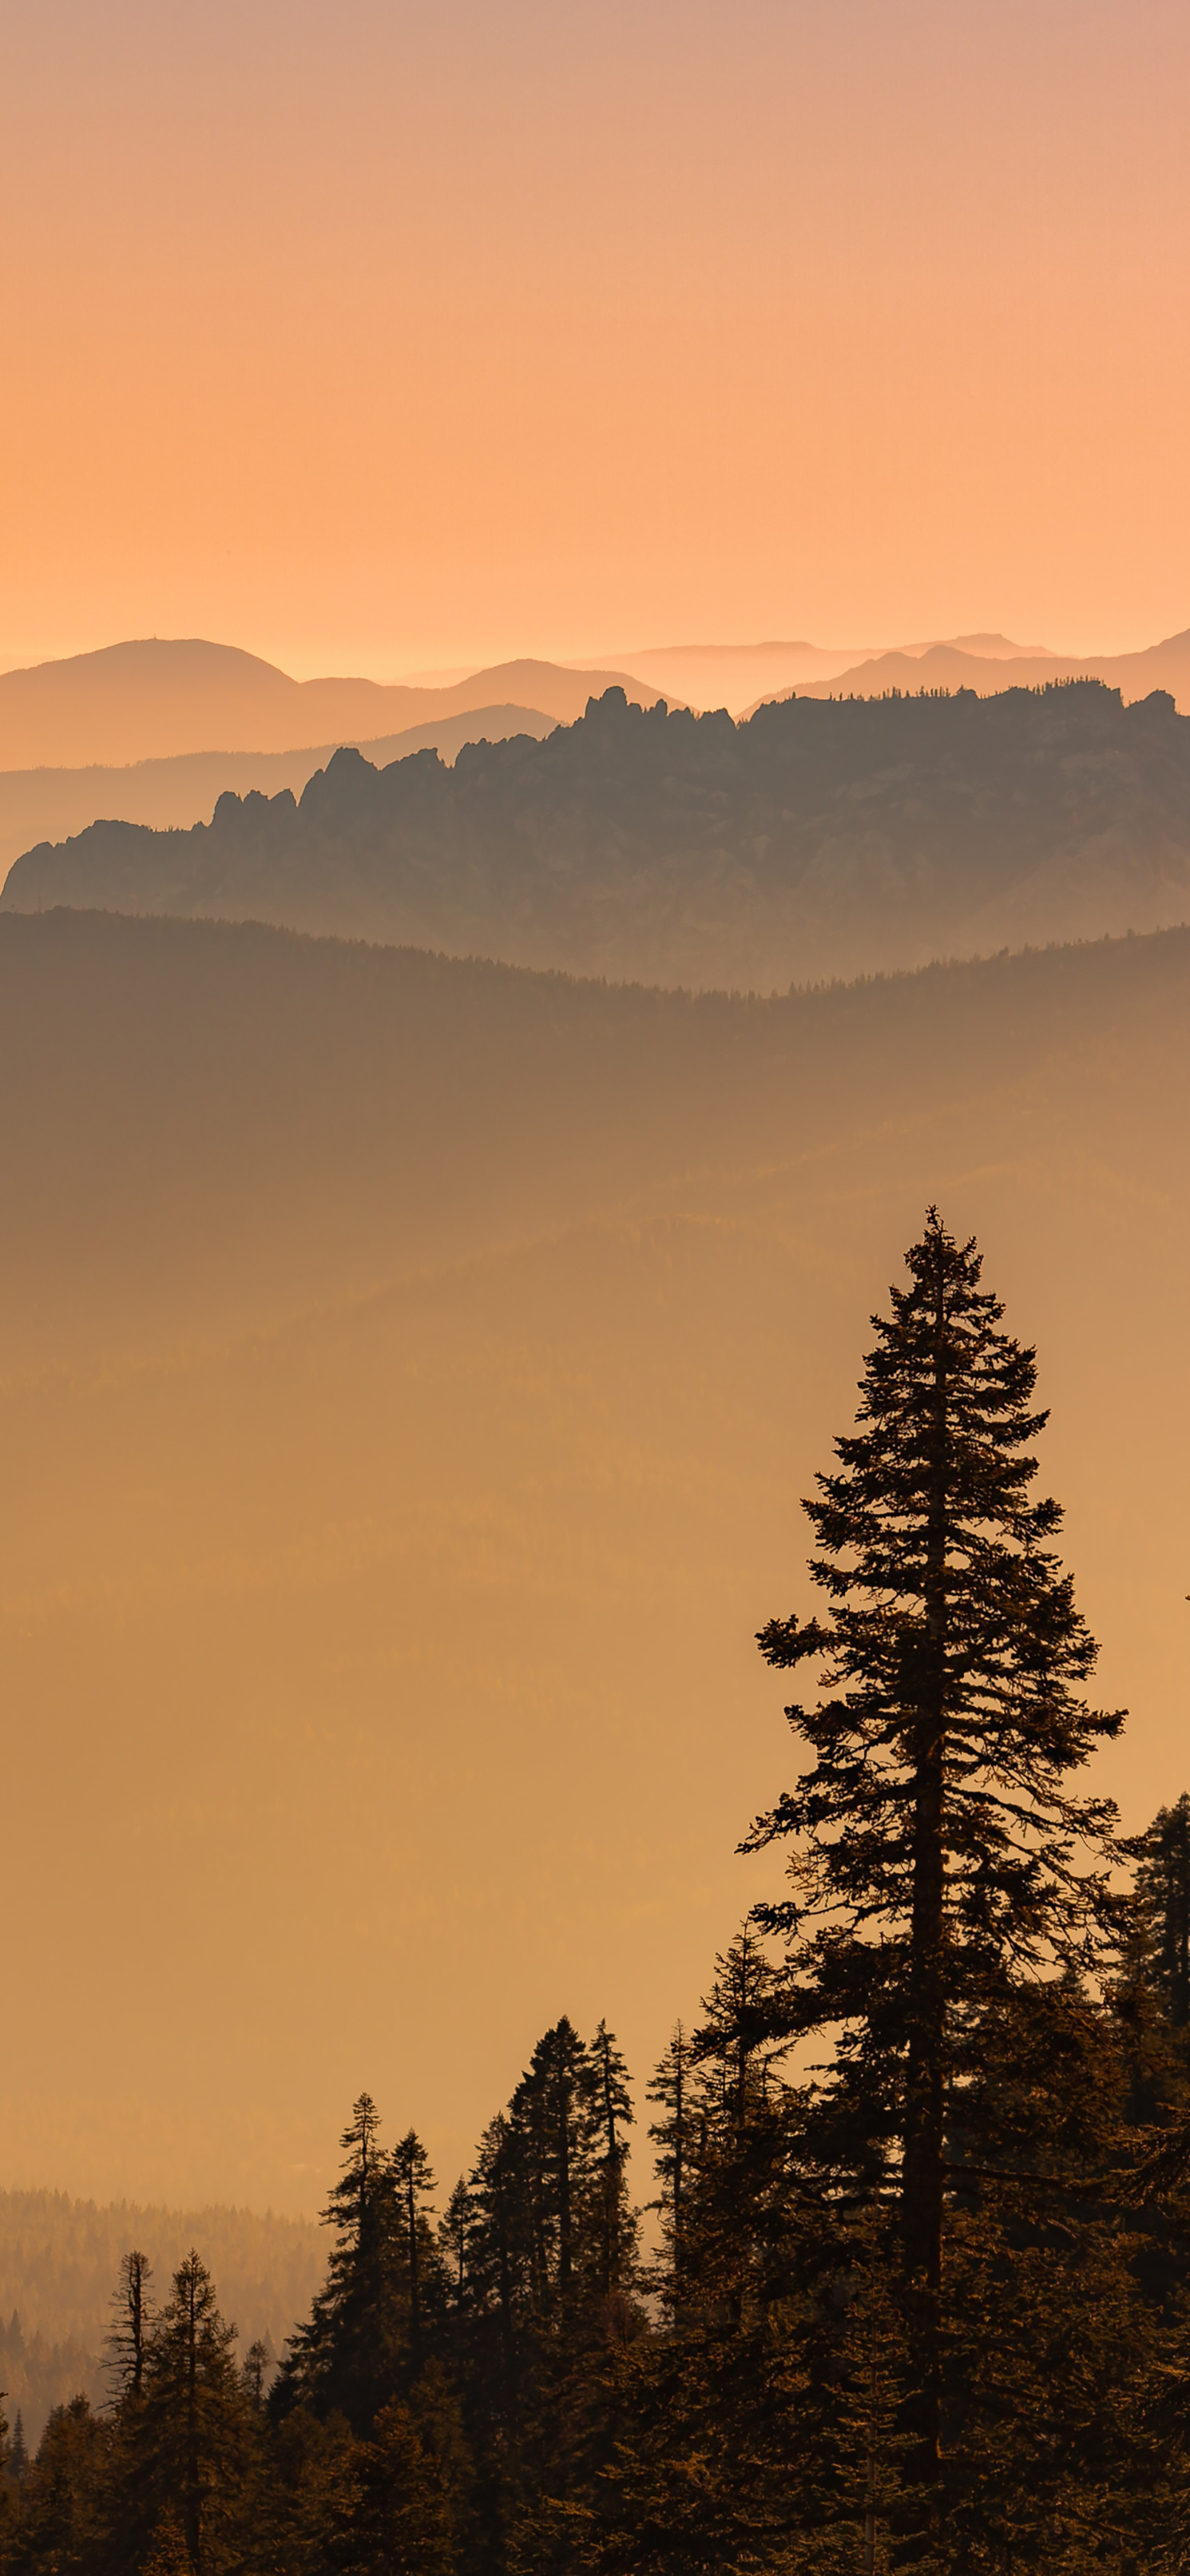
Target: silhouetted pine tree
[188,2448]
[936,1860]
[540,2252]
[551,2115]
[610,2118]
[353,2353]
[499,2288]
[414,2183]
[671,2089]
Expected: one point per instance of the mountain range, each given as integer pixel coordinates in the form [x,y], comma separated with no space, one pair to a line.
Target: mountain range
[971,663]
[153,699]
[819,839]
[154,732]
[739,676]
[49,804]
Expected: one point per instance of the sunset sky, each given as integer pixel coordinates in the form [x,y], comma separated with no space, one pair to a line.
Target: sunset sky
[383,337]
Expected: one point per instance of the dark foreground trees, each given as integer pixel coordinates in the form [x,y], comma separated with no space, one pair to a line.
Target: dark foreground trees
[917,2287]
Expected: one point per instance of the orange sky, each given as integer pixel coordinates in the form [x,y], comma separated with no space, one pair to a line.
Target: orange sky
[378,334]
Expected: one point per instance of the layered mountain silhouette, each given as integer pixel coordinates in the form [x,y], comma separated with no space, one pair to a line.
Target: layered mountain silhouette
[976,662]
[740,676]
[734,675]
[820,839]
[47,804]
[153,699]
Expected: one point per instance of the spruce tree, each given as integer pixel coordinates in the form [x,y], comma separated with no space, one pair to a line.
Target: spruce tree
[940,1857]
[353,2353]
[670,2088]
[189,2447]
[414,2183]
[610,2119]
[550,2116]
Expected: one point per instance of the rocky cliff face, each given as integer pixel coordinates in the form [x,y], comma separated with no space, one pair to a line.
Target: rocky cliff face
[817,840]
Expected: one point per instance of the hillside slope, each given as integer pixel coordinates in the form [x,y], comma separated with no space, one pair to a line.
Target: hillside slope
[413,1369]
[817,840]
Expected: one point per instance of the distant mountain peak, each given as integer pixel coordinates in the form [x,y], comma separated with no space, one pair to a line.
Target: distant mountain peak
[162,697]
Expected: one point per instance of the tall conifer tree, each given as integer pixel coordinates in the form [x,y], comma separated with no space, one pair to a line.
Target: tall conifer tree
[936,1838]
[189,2434]
[610,2120]
[670,2088]
[353,2351]
[414,2182]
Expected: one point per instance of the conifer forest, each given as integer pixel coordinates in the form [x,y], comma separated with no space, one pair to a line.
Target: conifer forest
[899,2275]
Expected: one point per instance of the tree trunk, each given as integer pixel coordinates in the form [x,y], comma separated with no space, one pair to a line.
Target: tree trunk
[414,2267]
[922,2189]
[193,2498]
[611,2177]
[565,2250]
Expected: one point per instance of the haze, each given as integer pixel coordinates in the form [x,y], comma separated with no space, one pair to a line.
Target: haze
[387,337]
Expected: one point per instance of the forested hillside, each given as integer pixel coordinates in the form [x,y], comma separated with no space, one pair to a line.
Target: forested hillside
[816,840]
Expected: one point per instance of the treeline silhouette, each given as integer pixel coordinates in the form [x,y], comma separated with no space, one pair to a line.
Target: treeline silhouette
[917,2291]
[817,839]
